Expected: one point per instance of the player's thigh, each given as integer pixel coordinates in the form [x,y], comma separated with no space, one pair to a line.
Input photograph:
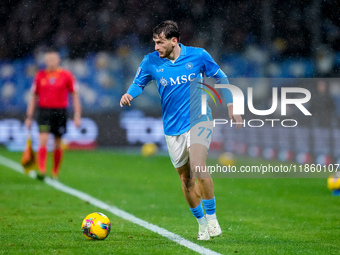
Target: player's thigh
[200,139]
[201,133]
[178,149]
[184,172]
[198,154]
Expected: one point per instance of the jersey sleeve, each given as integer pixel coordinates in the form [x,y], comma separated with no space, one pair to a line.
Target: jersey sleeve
[221,78]
[142,78]
[210,67]
[71,82]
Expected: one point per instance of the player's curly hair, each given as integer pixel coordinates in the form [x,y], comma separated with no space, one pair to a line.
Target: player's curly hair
[169,28]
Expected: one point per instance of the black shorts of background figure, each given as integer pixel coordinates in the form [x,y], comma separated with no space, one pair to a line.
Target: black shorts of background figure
[52,120]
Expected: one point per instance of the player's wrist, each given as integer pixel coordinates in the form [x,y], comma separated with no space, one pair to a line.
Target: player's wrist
[77,115]
[29,117]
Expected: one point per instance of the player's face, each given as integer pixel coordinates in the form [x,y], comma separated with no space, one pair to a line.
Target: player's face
[163,46]
[52,60]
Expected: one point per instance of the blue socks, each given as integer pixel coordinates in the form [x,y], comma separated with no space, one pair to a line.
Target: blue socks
[209,205]
[197,211]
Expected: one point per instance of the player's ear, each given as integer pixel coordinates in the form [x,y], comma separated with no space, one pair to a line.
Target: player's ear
[174,41]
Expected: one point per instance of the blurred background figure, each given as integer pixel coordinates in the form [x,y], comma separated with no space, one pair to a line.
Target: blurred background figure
[50,91]
[101,43]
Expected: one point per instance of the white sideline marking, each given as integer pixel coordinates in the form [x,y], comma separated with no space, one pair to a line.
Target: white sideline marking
[116,211]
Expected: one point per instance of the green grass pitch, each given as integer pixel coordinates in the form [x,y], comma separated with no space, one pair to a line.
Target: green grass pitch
[258,216]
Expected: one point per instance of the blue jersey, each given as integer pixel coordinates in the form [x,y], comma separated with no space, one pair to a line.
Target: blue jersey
[175,81]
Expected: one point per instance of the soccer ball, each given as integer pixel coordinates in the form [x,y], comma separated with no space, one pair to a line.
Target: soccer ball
[226,159]
[149,149]
[333,182]
[96,226]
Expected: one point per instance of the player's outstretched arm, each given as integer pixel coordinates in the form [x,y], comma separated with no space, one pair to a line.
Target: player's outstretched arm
[30,110]
[125,100]
[234,117]
[77,109]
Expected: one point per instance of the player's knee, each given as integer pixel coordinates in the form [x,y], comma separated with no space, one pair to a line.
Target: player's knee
[196,166]
[187,181]
[57,142]
[205,180]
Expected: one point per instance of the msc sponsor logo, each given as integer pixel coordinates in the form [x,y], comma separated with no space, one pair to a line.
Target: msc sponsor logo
[182,79]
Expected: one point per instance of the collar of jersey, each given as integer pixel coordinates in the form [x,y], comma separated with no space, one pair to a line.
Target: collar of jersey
[183,52]
[58,70]
[183,49]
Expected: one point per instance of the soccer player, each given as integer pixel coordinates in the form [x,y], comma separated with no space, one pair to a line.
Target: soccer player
[174,66]
[50,90]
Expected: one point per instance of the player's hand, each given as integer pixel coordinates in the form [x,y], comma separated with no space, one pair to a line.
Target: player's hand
[28,123]
[77,121]
[125,100]
[235,117]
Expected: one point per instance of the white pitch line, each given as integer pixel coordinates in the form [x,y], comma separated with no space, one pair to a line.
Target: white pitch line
[116,211]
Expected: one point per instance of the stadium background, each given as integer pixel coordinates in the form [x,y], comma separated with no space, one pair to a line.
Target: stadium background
[102,43]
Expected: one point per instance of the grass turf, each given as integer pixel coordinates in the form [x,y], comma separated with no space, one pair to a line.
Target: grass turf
[258,216]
